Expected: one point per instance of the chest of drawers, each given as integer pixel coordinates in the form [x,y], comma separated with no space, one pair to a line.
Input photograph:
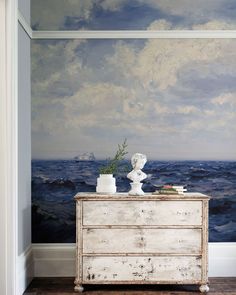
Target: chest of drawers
[149,239]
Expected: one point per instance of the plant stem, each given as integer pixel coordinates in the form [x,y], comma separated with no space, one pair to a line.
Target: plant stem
[113,165]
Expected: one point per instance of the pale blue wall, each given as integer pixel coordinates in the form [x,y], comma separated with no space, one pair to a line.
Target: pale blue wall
[24,141]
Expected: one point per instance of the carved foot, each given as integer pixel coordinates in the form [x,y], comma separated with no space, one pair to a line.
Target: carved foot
[204,289]
[79,288]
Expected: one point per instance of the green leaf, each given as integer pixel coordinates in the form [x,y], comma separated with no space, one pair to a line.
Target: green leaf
[114,164]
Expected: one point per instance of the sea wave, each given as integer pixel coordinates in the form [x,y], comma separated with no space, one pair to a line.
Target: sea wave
[54,184]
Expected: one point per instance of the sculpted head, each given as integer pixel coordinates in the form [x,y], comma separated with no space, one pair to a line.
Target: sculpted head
[138,161]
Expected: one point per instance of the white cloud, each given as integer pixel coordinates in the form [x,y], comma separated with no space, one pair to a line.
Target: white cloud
[123,59]
[209,112]
[161,109]
[159,62]
[224,99]
[56,68]
[50,56]
[205,15]
[161,24]
[105,105]
[216,118]
[100,105]
[215,25]
[166,108]
[98,102]
[50,14]
[188,8]
[138,103]
[187,110]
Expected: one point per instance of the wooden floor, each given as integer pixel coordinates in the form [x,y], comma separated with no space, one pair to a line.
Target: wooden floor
[64,286]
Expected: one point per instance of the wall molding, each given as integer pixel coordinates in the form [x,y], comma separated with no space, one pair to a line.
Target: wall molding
[8,148]
[173,34]
[58,260]
[25,268]
[25,25]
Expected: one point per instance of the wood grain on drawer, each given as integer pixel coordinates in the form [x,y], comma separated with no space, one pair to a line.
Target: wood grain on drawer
[153,268]
[182,241]
[142,213]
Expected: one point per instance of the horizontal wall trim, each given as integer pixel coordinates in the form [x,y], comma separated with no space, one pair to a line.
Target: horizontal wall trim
[58,260]
[173,34]
[22,21]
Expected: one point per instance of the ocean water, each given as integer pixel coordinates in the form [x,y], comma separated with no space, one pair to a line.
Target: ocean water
[55,182]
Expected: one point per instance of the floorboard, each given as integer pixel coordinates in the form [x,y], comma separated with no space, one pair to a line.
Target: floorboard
[64,286]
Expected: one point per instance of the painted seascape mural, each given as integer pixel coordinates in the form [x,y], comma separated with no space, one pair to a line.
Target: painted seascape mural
[133,14]
[173,99]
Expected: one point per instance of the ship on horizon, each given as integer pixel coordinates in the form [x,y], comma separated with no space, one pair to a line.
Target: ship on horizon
[85,157]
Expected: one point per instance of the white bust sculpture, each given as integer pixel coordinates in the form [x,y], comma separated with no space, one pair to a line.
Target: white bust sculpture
[137,175]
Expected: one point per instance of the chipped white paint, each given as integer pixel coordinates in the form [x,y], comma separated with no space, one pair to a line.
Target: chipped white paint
[179,241]
[142,213]
[144,239]
[141,268]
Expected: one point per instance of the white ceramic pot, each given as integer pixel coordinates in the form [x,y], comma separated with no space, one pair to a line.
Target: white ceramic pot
[106,184]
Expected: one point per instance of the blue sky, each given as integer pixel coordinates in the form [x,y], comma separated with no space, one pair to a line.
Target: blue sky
[171,98]
[133,14]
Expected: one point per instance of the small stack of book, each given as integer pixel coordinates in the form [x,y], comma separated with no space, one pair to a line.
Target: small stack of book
[171,190]
[180,189]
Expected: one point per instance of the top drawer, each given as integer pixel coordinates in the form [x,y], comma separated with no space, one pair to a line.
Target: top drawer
[142,212]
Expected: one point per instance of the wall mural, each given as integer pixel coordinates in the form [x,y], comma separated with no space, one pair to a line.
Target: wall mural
[174,100]
[133,14]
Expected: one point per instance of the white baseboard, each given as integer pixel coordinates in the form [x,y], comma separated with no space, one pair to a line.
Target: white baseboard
[222,259]
[58,260]
[54,260]
[25,269]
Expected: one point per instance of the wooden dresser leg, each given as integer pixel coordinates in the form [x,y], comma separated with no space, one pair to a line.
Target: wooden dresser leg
[204,288]
[79,288]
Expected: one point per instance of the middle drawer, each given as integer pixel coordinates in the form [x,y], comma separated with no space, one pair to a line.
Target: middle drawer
[154,240]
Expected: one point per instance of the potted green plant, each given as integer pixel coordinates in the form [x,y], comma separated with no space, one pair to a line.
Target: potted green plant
[106,183]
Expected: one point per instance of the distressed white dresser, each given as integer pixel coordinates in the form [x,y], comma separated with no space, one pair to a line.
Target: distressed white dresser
[149,239]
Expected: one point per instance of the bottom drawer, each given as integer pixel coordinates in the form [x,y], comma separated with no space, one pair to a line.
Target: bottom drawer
[139,268]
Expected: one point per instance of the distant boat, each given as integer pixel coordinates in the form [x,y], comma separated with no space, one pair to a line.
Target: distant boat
[85,157]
